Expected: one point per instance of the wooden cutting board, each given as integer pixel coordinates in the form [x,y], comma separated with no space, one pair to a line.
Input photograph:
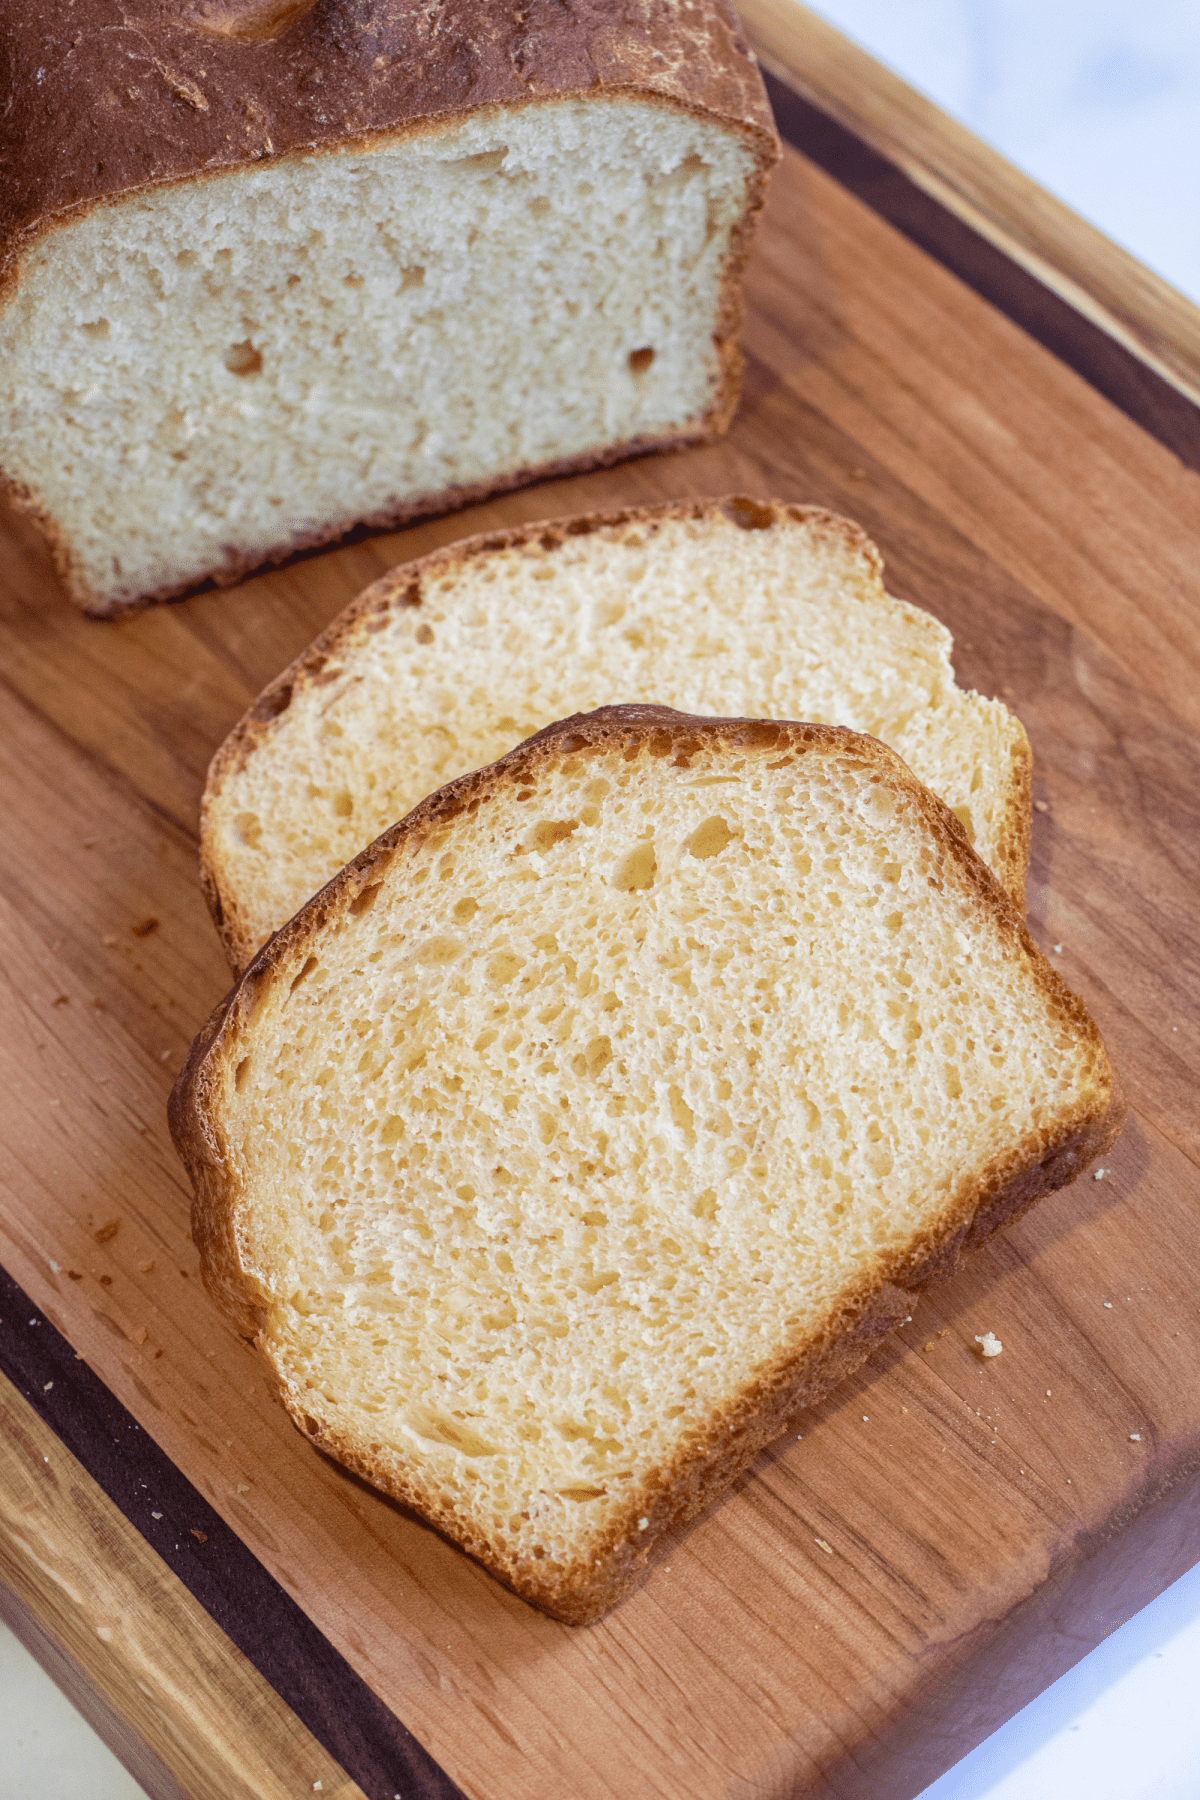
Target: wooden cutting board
[919,1554]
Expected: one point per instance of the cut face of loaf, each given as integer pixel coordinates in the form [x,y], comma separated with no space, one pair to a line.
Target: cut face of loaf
[207,374]
[609,1108]
[730,607]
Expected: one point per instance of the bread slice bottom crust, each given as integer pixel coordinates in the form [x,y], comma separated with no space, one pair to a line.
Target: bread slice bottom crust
[789,1262]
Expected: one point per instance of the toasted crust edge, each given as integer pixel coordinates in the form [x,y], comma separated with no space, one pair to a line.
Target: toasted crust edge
[1003,1192]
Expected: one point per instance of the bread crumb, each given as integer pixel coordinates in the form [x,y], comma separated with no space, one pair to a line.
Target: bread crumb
[1047,1393]
[1135,1437]
[822,1545]
[989,1344]
[1057,948]
[155,1515]
[145,1267]
[144,927]
[201,1537]
[929,1345]
[139,1336]
[1041,806]
[904,1409]
[1100,1174]
[104,1234]
[1109,1305]
[243,1487]
[642,1524]
[104,1633]
[108,940]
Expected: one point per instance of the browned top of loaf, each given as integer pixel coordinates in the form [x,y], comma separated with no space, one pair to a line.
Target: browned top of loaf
[100,99]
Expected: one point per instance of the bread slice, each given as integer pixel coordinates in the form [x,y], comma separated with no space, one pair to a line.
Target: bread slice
[727,607]
[609,1108]
[267,271]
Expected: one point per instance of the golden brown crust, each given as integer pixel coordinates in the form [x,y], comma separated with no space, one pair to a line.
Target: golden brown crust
[1012,865]
[990,1199]
[99,102]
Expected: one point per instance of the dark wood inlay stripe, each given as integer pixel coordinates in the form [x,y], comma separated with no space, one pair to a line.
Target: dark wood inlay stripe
[1114,371]
[230,1583]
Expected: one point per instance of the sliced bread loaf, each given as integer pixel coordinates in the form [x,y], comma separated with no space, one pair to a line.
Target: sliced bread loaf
[270,270]
[609,1108]
[731,607]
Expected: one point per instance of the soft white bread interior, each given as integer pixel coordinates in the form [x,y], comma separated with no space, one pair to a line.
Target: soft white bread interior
[733,607]
[608,1108]
[201,375]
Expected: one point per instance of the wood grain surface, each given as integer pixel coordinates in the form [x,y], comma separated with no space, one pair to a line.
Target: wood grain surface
[844,1603]
[164,1675]
[1100,281]
[144,1517]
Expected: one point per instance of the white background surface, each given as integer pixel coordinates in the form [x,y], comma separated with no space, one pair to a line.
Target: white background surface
[1100,100]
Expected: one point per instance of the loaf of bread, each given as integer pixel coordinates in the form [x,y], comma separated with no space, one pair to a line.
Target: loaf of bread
[610,1107]
[732,607]
[270,268]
